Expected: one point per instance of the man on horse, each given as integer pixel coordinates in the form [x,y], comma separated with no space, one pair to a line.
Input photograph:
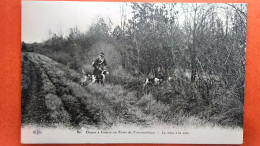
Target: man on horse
[99,64]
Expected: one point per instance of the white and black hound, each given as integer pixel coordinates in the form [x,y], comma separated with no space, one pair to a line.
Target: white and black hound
[155,81]
[84,78]
[99,78]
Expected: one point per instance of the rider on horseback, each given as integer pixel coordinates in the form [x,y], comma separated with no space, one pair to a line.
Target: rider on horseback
[99,64]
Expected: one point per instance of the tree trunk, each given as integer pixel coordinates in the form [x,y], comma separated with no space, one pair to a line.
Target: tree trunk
[193,55]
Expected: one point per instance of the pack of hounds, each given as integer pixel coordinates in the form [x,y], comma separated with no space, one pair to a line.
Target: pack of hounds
[101,78]
[98,78]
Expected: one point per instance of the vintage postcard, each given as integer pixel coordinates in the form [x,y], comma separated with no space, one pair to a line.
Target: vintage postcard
[111,72]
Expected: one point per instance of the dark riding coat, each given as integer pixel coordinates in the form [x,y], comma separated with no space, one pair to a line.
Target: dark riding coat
[98,66]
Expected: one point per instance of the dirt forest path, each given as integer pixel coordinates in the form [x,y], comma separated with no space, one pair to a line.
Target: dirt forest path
[52,96]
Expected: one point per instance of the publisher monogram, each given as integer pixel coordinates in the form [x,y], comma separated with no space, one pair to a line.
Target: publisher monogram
[37,132]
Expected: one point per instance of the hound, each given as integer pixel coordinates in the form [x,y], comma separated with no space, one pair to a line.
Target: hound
[99,78]
[84,78]
[155,81]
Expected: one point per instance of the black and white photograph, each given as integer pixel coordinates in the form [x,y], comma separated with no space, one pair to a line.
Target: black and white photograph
[121,72]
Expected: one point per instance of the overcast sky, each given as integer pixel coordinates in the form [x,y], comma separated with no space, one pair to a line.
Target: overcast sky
[39,17]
